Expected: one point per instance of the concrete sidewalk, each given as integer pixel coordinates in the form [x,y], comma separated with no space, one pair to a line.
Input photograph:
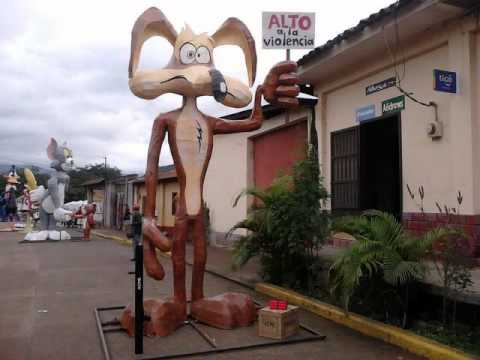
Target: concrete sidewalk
[220,261]
[48,292]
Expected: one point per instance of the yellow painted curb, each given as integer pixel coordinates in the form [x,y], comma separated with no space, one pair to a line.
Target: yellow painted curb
[125,242]
[390,334]
[118,239]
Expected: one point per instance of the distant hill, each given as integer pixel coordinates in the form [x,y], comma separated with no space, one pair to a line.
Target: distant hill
[4,168]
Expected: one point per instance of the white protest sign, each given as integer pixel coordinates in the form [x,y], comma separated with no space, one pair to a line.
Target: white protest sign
[288,30]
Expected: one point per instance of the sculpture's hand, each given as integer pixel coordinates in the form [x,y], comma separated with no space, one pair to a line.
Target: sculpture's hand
[153,234]
[61,214]
[153,238]
[280,87]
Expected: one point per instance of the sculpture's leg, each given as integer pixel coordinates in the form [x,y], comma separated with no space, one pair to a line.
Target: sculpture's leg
[53,233]
[178,259]
[86,232]
[224,311]
[199,257]
[43,219]
[169,314]
[43,233]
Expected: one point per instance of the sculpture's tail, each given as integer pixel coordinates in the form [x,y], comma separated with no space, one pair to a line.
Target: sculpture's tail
[154,239]
[31,181]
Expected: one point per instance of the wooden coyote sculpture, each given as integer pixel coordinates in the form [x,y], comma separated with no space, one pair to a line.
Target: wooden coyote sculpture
[191,73]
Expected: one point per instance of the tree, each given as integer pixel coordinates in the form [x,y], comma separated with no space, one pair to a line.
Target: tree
[86,173]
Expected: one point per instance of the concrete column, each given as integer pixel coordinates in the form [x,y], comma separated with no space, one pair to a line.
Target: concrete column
[323,139]
[462,121]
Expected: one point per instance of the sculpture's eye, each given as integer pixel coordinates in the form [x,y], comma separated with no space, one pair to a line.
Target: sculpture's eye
[203,55]
[187,53]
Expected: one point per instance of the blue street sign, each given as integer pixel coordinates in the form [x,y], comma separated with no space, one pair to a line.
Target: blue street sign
[445,81]
[365,113]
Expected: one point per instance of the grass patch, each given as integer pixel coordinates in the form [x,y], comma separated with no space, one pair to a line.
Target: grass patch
[465,338]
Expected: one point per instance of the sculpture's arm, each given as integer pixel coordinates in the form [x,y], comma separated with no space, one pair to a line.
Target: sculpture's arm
[254,122]
[151,234]
[279,88]
[156,140]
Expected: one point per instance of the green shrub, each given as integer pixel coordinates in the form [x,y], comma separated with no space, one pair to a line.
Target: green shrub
[286,227]
[381,265]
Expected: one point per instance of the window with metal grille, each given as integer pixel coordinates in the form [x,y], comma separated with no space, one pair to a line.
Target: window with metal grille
[345,163]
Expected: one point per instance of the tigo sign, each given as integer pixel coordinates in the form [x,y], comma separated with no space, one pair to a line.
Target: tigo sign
[393,105]
[445,81]
[288,30]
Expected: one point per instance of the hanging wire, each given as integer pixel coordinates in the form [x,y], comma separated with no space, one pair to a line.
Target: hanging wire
[393,57]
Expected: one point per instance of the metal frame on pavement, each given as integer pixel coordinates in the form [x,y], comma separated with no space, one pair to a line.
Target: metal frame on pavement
[114,326]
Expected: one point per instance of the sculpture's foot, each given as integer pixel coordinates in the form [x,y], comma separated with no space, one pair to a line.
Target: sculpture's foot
[57,235]
[37,236]
[65,235]
[54,235]
[225,311]
[165,317]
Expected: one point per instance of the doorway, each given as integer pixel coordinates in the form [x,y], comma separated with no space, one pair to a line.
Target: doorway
[366,167]
[380,165]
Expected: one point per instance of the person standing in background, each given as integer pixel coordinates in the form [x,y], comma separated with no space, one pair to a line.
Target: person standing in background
[11,205]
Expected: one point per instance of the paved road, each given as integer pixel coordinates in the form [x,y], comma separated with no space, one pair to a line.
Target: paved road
[48,292]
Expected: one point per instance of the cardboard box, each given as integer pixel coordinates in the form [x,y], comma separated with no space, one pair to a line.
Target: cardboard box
[278,324]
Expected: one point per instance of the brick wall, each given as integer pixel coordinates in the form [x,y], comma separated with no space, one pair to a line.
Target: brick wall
[421,222]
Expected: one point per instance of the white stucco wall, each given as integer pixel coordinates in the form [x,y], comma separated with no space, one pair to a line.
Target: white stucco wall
[442,166]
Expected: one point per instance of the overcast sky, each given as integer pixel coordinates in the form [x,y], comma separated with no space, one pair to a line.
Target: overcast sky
[63,70]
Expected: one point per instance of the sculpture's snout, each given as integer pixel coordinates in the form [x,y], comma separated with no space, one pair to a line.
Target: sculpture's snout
[219,85]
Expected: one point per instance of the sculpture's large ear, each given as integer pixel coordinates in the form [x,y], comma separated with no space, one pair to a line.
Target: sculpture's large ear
[151,23]
[235,32]
[52,147]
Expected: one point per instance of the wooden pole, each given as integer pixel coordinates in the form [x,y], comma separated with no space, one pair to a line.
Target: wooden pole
[287,112]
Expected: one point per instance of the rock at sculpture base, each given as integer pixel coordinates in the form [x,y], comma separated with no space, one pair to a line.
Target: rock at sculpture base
[165,317]
[226,311]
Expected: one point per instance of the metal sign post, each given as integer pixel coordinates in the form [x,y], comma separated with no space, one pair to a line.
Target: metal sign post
[139,313]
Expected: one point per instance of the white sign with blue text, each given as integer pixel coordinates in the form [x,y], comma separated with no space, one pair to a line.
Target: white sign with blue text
[288,30]
[365,113]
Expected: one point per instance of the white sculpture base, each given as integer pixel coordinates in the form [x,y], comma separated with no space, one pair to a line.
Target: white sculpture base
[47,235]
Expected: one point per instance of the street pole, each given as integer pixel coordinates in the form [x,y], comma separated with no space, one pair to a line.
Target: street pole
[139,311]
[105,202]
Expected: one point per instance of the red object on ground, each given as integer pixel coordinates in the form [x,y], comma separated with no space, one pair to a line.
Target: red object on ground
[273,304]
[278,304]
[282,305]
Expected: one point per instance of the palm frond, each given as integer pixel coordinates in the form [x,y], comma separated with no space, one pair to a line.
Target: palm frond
[382,249]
